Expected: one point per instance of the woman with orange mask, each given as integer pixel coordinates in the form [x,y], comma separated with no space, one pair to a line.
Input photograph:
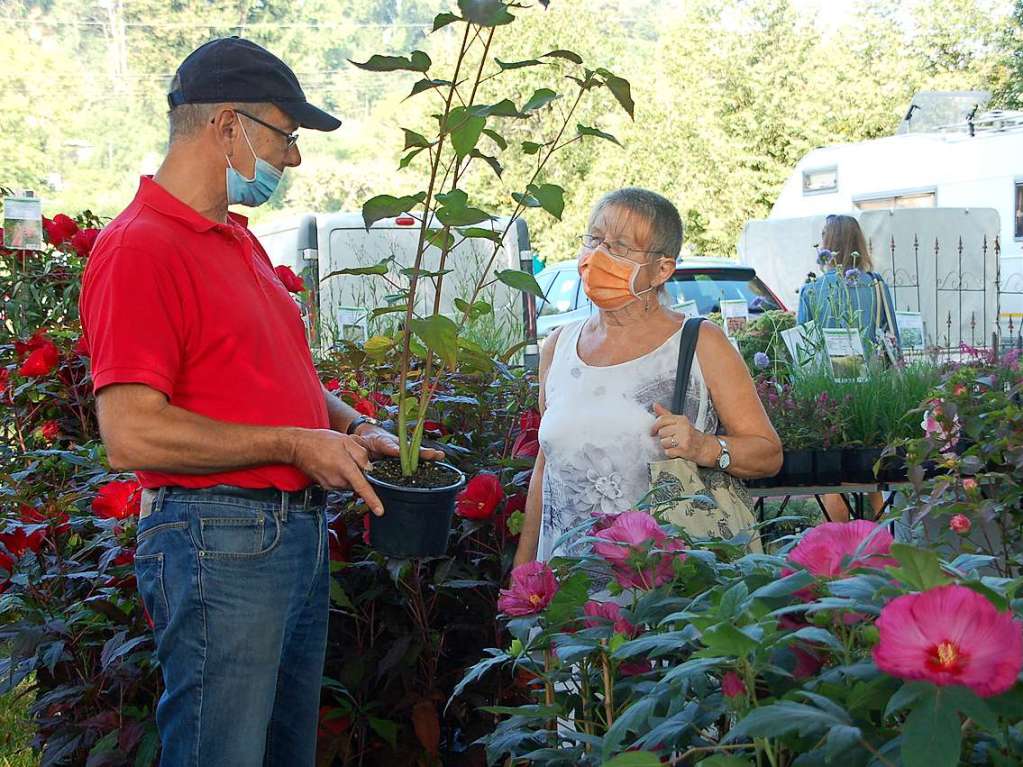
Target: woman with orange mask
[606,383]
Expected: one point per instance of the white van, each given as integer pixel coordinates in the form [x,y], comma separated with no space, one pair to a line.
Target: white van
[316,246]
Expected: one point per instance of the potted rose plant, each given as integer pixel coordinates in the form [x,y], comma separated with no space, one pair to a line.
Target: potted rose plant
[465,135]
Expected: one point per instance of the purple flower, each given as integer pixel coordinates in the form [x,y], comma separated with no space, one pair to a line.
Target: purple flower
[761,360]
[852,276]
[825,256]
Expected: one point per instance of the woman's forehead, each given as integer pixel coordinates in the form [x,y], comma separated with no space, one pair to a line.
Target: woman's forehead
[617,222]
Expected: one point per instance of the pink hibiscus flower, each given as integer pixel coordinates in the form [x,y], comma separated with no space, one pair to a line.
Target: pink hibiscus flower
[533,586]
[602,613]
[830,550]
[950,635]
[638,550]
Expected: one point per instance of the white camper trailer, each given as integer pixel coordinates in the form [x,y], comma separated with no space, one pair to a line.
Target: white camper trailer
[951,174]
[317,246]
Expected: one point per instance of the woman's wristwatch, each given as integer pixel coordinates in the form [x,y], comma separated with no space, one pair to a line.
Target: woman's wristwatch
[359,421]
[725,458]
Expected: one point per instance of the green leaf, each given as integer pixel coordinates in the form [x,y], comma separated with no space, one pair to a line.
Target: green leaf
[634,759]
[413,139]
[569,600]
[620,89]
[539,100]
[931,736]
[520,281]
[575,58]
[920,567]
[440,336]
[725,760]
[491,161]
[726,639]
[409,158]
[146,754]
[386,729]
[426,85]
[387,206]
[379,268]
[842,738]
[461,216]
[465,130]
[526,200]
[442,239]
[473,311]
[441,20]
[496,137]
[906,696]
[388,310]
[506,65]
[586,131]
[551,198]
[784,717]
[338,596]
[967,702]
[486,13]
[378,346]
[531,147]
[411,272]
[417,62]
[456,198]
[783,587]
[503,108]
[476,232]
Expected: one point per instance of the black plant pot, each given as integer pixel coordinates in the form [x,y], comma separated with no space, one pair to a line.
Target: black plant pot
[858,464]
[764,482]
[827,467]
[894,467]
[416,520]
[796,468]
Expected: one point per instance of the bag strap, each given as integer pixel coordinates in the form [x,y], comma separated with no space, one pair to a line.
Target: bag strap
[884,310]
[686,350]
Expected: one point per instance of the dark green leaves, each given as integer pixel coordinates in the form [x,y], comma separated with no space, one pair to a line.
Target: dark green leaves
[503,108]
[550,197]
[620,89]
[506,65]
[455,211]
[465,129]
[486,13]
[541,98]
[931,736]
[575,58]
[413,139]
[784,717]
[919,569]
[520,281]
[388,206]
[440,336]
[426,85]
[416,62]
[441,20]
[358,271]
[585,131]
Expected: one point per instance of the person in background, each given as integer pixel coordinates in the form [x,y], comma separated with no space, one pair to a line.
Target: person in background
[848,294]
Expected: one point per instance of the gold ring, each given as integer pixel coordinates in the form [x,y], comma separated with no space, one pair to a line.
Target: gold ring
[674,442]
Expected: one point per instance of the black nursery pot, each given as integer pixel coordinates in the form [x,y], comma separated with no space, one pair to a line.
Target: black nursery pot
[894,467]
[416,520]
[858,464]
[827,467]
[796,468]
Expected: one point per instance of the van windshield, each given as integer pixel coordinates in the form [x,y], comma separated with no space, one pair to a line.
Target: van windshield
[708,286]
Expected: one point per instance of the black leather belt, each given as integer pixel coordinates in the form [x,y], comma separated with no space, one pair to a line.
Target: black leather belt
[310,497]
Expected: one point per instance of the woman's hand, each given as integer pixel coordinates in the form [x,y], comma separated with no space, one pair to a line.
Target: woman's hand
[680,439]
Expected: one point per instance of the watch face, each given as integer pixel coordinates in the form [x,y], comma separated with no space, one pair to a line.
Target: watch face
[724,461]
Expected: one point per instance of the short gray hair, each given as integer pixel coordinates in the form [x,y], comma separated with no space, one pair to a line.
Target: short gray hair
[186,120]
[664,219]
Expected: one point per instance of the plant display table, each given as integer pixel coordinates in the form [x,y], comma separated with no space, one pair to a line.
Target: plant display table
[854,495]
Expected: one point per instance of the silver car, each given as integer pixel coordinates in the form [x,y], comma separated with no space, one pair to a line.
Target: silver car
[703,280]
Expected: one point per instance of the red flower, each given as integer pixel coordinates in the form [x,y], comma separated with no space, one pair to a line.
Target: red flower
[732,685]
[333,385]
[480,497]
[532,588]
[381,399]
[5,380]
[950,635]
[58,522]
[42,355]
[969,484]
[433,427]
[830,549]
[365,529]
[125,558]
[526,445]
[291,281]
[332,722]
[635,667]
[83,241]
[366,407]
[529,419]
[81,347]
[117,500]
[340,543]
[7,565]
[960,523]
[18,541]
[605,613]
[50,431]
[60,229]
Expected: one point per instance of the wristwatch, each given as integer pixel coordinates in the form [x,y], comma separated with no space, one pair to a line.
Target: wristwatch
[359,421]
[725,459]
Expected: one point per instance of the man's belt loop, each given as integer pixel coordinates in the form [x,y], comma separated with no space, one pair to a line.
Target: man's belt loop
[284,506]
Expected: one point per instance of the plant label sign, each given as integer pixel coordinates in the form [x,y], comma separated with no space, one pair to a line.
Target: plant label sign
[805,345]
[23,223]
[845,351]
[911,331]
[734,314]
[688,308]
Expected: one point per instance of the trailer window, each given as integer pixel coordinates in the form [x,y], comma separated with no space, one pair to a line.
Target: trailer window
[1018,213]
[820,180]
[913,200]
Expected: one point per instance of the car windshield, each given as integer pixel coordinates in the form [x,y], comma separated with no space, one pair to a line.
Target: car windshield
[708,286]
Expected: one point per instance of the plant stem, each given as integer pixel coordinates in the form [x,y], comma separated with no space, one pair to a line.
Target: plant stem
[709,749]
[609,693]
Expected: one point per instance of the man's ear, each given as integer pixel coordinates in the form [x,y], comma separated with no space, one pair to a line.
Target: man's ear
[226,128]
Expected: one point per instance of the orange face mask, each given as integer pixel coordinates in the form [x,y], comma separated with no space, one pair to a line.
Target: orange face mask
[610,281]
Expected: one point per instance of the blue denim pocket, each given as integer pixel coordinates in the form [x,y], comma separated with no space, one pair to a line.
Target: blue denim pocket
[235,531]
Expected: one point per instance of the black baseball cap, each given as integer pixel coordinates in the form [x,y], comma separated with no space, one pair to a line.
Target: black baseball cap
[232,69]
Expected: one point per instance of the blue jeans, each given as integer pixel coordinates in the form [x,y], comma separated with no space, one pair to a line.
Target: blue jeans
[238,593]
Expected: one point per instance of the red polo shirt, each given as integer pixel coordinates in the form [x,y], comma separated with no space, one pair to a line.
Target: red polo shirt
[193,309]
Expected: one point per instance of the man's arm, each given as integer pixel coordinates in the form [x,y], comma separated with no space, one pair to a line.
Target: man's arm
[142,431]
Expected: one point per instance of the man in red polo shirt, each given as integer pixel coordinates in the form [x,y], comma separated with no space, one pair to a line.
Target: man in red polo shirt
[206,389]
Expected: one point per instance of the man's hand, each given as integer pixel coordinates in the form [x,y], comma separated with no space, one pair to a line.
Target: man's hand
[381,443]
[335,461]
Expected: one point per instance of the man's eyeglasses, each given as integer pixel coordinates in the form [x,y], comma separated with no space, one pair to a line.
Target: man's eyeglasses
[592,242]
[292,138]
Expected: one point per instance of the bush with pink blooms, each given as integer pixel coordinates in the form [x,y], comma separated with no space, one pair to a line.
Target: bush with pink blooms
[841,647]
